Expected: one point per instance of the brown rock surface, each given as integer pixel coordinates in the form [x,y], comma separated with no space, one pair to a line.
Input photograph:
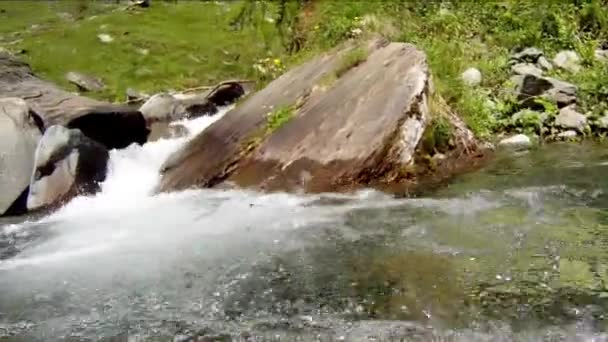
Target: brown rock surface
[210,157]
[364,129]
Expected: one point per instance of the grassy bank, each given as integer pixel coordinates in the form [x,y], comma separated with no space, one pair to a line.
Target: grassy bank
[174,45]
[167,46]
[457,35]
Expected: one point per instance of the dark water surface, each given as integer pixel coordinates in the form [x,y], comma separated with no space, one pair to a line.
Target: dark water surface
[513,252]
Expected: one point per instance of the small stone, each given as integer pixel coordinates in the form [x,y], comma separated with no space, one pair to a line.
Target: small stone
[143,52]
[526,69]
[603,121]
[530,55]
[85,82]
[162,107]
[134,95]
[569,118]
[601,55]
[471,77]
[567,134]
[567,60]
[544,63]
[65,16]
[531,86]
[439,157]
[516,141]
[105,38]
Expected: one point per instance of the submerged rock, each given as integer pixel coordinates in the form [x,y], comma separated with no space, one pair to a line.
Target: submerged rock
[516,141]
[20,131]
[85,82]
[67,163]
[471,77]
[328,138]
[569,118]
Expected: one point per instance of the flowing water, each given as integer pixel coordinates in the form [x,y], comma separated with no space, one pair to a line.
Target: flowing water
[513,252]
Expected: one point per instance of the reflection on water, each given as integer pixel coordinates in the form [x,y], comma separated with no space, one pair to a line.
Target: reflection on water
[516,251]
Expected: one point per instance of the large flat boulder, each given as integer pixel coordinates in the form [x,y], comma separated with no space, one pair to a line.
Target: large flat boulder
[20,131]
[363,128]
[115,126]
[209,158]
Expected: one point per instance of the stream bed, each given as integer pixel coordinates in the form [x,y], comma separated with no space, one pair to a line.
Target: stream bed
[513,252]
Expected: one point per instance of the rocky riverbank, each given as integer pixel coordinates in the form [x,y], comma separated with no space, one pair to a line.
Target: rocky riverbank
[56,144]
[534,104]
[358,116]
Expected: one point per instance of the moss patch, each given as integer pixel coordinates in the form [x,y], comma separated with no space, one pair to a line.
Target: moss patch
[350,60]
[278,118]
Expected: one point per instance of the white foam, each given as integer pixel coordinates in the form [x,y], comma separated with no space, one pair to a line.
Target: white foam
[133,174]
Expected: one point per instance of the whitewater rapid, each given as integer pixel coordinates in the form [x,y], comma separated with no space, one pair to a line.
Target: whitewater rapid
[355,267]
[133,173]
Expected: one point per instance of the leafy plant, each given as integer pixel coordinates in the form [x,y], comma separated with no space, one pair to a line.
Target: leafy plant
[278,118]
[437,136]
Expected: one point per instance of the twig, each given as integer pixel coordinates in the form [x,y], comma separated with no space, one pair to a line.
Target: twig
[213,88]
[189,90]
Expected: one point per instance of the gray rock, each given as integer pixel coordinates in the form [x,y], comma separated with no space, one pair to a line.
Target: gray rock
[471,77]
[67,164]
[567,134]
[568,60]
[530,86]
[544,63]
[603,121]
[85,82]
[162,107]
[516,141]
[135,96]
[105,38]
[334,137]
[568,117]
[65,16]
[526,69]
[140,3]
[164,130]
[601,55]
[528,55]
[115,126]
[20,129]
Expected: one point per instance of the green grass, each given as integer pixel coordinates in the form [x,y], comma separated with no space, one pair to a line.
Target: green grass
[457,35]
[191,43]
[188,44]
[350,60]
[278,118]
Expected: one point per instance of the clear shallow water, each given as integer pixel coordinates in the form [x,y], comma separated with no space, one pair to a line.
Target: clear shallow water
[513,252]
